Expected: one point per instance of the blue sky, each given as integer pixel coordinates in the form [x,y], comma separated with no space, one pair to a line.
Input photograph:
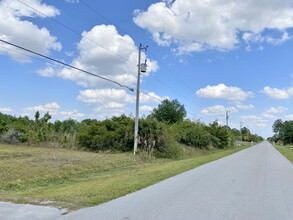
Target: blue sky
[212,56]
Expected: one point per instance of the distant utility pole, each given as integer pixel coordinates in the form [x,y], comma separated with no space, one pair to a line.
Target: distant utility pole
[227,117]
[141,68]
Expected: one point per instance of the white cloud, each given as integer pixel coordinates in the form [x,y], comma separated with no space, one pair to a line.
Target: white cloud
[72,1]
[114,102]
[48,71]
[252,121]
[69,53]
[214,24]
[258,38]
[244,107]
[268,116]
[23,32]
[5,110]
[217,110]
[54,110]
[275,93]
[101,96]
[288,117]
[71,114]
[222,91]
[118,65]
[151,98]
[279,109]
[146,108]
[49,107]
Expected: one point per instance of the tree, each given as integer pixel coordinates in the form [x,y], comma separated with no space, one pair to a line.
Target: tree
[169,112]
[277,126]
[284,131]
[220,135]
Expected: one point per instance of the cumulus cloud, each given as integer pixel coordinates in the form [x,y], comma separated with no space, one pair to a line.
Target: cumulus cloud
[254,121]
[258,38]
[114,102]
[288,117]
[217,110]
[151,98]
[54,110]
[118,62]
[222,91]
[214,24]
[275,93]
[49,107]
[268,116]
[244,107]
[271,112]
[5,110]
[72,1]
[279,109]
[146,108]
[15,29]
[100,96]
[71,114]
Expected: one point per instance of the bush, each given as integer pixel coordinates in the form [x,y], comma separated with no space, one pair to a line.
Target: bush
[191,134]
[220,135]
[171,149]
[111,134]
[151,134]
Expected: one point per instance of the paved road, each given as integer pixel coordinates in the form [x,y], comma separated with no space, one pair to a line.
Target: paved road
[256,183]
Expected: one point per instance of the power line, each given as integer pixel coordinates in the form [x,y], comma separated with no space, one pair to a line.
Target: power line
[173,73]
[164,65]
[78,33]
[160,100]
[99,14]
[68,65]
[74,31]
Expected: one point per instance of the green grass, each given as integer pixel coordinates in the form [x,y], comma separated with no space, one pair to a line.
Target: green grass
[285,150]
[76,179]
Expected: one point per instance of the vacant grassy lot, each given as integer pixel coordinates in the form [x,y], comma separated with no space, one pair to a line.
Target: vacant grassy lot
[75,179]
[285,150]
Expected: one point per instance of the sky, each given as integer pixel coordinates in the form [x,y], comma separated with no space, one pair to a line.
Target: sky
[210,55]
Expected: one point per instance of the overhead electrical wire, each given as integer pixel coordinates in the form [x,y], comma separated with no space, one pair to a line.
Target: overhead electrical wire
[65,64]
[161,100]
[98,44]
[156,58]
[74,31]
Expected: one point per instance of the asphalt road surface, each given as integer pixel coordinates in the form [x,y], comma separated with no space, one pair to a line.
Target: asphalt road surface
[256,183]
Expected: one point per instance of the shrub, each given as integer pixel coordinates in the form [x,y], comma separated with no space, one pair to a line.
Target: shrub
[170,149]
[111,134]
[220,135]
[191,134]
[151,134]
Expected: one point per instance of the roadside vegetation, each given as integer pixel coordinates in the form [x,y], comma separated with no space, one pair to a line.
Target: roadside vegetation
[79,164]
[163,133]
[283,138]
[75,179]
[286,151]
[283,132]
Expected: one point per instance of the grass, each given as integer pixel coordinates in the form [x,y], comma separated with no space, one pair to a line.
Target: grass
[75,179]
[285,150]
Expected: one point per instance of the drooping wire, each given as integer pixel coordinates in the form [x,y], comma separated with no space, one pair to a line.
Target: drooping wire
[156,58]
[124,58]
[65,64]
[75,31]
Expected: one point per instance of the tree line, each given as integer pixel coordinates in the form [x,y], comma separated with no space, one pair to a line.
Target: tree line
[163,133]
[283,132]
